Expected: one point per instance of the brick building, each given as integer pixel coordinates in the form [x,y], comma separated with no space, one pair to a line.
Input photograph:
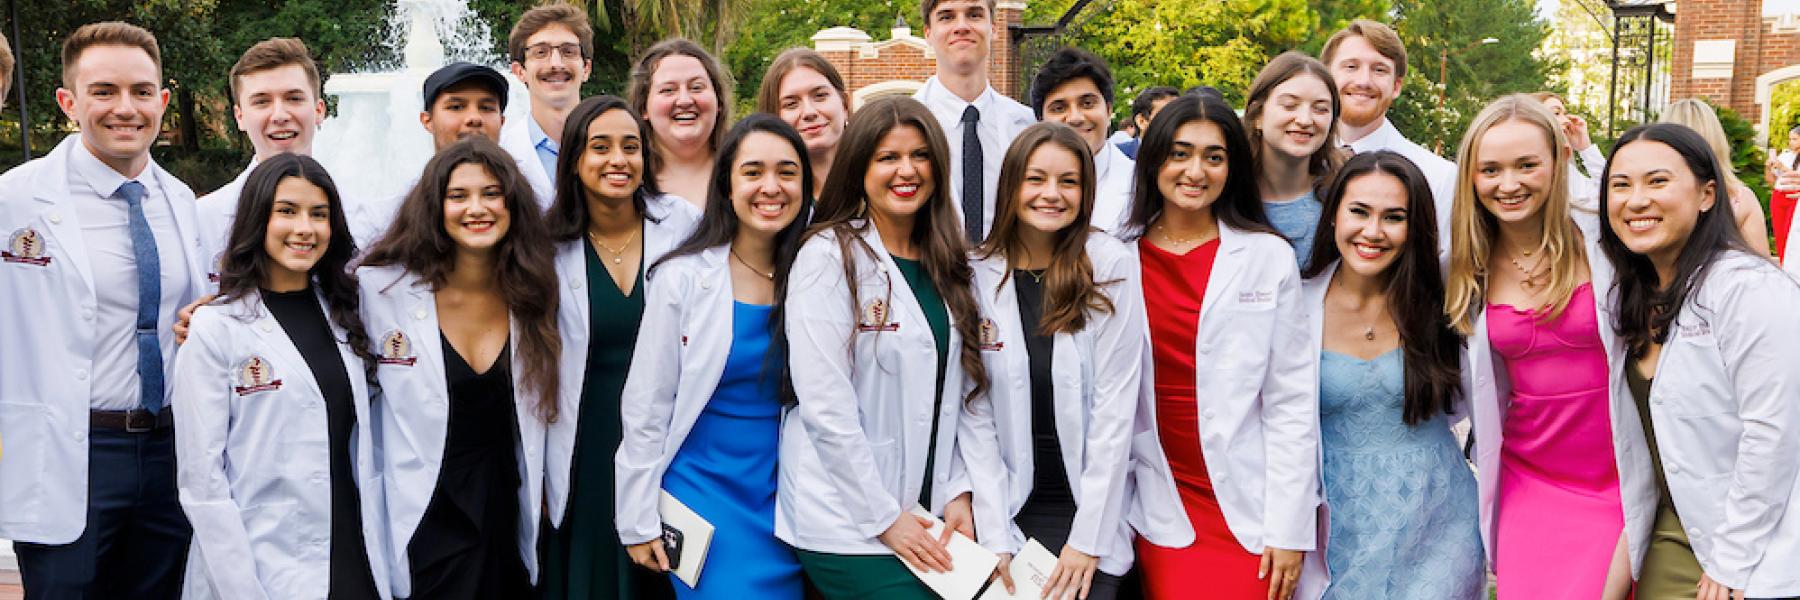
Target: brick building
[1734,52]
[900,64]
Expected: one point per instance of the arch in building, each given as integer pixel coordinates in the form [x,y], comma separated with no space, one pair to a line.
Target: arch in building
[1765,89]
[895,87]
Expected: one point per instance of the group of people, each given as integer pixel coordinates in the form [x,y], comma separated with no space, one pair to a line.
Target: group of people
[1225,358]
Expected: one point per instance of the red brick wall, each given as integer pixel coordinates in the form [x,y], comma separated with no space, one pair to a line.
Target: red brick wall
[1758,51]
[907,62]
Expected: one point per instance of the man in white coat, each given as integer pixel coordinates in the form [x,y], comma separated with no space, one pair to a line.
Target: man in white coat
[551,48]
[1368,61]
[275,101]
[978,122]
[102,248]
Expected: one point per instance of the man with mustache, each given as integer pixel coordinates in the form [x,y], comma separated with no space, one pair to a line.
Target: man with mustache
[978,122]
[552,47]
[102,247]
[1368,62]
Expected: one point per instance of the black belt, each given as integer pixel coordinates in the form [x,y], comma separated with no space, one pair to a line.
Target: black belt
[136,420]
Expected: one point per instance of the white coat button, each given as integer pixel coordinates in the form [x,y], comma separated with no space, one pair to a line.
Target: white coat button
[1693,532]
[1674,469]
[81,374]
[575,285]
[87,314]
[55,218]
[80,435]
[419,314]
[1206,348]
[706,284]
[318,477]
[266,328]
[1481,381]
[1208,413]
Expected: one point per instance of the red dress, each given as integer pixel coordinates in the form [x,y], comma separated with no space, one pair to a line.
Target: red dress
[1174,287]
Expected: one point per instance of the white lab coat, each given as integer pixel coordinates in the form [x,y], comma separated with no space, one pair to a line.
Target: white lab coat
[216,212]
[1790,260]
[1112,198]
[1488,388]
[674,221]
[254,459]
[853,451]
[48,352]
[1259,414]
[1725,403]
[515,139]
[1097,373]
[682,344]
[415,414]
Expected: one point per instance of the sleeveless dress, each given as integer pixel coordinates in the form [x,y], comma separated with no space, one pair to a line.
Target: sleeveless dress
[725,472]
[1174,288]
[1404,522]
[1559,482]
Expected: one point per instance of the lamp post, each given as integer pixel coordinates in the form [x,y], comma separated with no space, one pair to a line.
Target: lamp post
[1444,74]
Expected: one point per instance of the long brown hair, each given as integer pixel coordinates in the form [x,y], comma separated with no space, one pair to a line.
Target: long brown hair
[1289,65]
[525,269]
[937,231]
[1069,287]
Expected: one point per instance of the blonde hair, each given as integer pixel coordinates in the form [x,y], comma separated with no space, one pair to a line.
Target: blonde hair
[1700,117]
[1473,229]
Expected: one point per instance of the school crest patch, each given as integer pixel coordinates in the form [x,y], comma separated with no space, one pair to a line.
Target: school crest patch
[25,246]
[254,375]
[396,349]
[990,336]
[875,317]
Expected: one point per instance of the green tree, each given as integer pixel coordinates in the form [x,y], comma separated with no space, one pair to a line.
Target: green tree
[1451,74]
[1183,43]
[772,26]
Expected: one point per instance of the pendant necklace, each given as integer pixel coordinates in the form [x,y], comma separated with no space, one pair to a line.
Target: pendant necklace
[769,275]
[618,256]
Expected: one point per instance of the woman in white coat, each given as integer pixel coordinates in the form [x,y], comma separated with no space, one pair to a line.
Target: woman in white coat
[275,446]
[1558,463]
[883,361]
[1064,346]
[1707,336]
[703,414]
[461,293]
[1225,446]
[610,224]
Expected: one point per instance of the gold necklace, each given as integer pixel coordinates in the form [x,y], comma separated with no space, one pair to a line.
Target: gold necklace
[1531,275]
[1172,240]
[618,256]
[769,275]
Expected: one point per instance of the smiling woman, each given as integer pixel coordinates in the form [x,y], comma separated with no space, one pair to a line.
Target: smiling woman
[683,93]
[1291,114]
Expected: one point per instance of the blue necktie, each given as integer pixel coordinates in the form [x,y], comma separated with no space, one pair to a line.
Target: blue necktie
[149,271]
[972,196]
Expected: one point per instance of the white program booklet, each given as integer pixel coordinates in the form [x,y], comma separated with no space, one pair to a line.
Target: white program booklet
[1030,573]
[686,537]
[971,564]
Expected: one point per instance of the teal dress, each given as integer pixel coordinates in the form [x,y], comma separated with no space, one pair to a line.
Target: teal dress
[584,560]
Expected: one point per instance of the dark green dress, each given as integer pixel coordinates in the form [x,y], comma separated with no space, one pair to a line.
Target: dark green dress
[584,559]
[1670,569]
[883,576]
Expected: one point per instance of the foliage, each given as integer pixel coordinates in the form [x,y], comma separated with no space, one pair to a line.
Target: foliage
[1333,15]
[772,26]
[1746,159]
[1183,43]
[1784,112]
[1444,36]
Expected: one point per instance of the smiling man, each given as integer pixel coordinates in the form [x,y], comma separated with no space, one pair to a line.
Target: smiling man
[1075,88]
[102,250]
[1368,62]
[978,122]
[552,47]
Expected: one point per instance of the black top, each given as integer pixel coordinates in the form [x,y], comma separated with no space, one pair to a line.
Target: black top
[1050,481]
[303,319]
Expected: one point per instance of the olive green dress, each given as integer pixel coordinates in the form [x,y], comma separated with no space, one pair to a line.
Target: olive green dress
[584,560]
[883,576]
[1670,570]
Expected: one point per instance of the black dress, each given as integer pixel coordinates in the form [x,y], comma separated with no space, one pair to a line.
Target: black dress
[303,319]
[467,543]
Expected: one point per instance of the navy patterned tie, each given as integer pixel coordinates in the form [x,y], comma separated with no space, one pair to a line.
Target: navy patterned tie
[149,274]
[971,174]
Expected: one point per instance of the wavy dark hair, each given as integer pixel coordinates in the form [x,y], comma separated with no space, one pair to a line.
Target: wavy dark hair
[637,88]
[1646,307]
[568,216]
[245,264]
[1239,205]
[1415,285]
[1070,291]
[719,225]
[525,270]
[937,231]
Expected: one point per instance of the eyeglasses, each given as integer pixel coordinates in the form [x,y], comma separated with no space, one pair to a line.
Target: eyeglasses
[542,51]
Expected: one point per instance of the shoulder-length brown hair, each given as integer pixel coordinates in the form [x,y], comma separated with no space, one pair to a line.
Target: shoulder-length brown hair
[525,270]
[1069,287]
[637,91]
[1289,65]
[937,231]
[768,95]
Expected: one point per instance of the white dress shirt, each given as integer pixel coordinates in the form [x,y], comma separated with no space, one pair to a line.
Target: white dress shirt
[1115,177]
[106,229]
[1002,119]
[1440,173]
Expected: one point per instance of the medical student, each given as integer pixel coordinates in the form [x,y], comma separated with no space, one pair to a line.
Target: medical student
[978,122]
[101,249]
[459,296]
[1075,88]
[1585,165]
[883,358]
[685,94]
[552,49]
[1559,465]
[609,225]
[276,457]
[1226,437]
[1745,206]
[1291,113]
[1063,342]
[807,92]
[1144,107]
[1707,332]
[1401,500]
[704,411]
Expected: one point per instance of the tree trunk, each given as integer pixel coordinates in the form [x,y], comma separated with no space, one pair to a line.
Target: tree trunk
[190,122]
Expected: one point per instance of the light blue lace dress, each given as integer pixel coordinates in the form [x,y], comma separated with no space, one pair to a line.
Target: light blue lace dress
[1402,499]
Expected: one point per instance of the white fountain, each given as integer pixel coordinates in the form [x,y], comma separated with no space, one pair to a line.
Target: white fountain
[374,145]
